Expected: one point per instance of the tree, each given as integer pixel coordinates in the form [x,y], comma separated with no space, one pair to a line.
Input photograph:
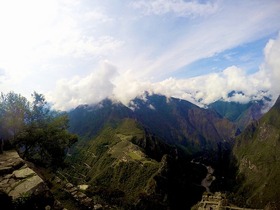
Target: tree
[38,132]
[45,138]
[14,110]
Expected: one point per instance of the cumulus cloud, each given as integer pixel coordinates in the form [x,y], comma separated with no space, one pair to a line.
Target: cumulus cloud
[206,89]
[41,43]
[87,90]
[201,90]
[271,68]
[57,35]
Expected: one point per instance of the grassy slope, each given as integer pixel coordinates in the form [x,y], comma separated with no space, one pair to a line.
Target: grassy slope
[127,167]
[241,114]
[258,154]
[112,162]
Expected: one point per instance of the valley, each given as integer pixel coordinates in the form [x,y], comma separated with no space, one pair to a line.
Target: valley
[140,105]
[147,150]
[166,153]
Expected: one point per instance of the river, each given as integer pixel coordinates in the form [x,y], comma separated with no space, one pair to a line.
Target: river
[209,178]
[207,181]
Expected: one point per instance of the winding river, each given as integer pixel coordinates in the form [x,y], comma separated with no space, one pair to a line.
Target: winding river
[209,178]
[207,181]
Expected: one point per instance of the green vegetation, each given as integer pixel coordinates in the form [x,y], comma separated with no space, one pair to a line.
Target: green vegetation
[242,114]
[118,144]
[230,110]
[129,168]
[142,159]
[39,133]
[258,154]
[111,162]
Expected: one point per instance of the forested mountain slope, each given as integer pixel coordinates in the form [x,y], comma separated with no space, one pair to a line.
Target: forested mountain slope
[242,114]
[257,150]
[128,168]
[175,121]
[141,155]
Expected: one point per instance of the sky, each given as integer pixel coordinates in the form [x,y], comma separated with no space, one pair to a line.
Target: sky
[82,51]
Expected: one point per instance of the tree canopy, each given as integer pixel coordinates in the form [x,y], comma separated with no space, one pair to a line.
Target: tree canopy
[39,133]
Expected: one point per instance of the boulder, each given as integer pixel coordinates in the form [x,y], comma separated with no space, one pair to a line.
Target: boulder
[23,173]
[97,206]
[19,182]
[83,187]
[26,186]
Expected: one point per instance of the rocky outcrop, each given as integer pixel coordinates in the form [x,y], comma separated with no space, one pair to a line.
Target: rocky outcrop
[20,183]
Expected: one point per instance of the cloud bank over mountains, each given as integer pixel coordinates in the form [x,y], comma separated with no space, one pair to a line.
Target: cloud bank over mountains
[83,51]
[201,90]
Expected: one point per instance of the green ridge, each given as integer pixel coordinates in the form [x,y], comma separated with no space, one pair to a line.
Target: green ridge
[258,153]
[110,162]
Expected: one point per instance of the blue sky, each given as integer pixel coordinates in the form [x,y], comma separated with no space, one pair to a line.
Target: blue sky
[247,56]
[79,52]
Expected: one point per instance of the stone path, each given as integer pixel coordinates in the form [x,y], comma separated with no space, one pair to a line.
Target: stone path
[16,179]
[79,196]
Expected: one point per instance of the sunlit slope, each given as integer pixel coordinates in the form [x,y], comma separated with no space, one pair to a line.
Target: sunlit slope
[126,166]
[112,161]
[258,154]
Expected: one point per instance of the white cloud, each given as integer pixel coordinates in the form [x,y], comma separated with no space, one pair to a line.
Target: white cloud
[271,68]
[43,44]
[90,89]
[177,7]
[201,90]
[203,37]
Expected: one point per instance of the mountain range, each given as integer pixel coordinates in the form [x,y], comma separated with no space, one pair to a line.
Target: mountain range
[152,153]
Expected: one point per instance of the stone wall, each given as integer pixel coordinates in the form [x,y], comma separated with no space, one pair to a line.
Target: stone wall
[20,185]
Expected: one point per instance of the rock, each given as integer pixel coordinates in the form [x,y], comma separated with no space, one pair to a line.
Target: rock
[18,164]
[83,186]
[81,195]
[57,180]
[23,173]
[27,186]
[69,185]
[8,176]
[11,181]
[47,207]
[87,201]
[73,189]
[4,185]
[18,181]
[5,181]
[74,193]
[97,206]
[57,205]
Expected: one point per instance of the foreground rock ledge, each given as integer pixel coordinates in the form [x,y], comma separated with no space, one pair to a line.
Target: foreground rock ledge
[17,179]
